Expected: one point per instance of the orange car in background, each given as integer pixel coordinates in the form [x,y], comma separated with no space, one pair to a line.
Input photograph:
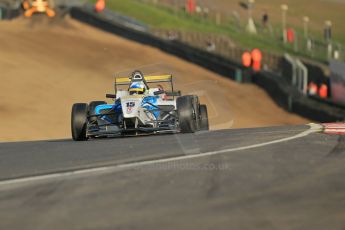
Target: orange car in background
[37,6]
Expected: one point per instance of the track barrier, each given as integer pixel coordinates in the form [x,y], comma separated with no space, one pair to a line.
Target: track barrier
[281,87]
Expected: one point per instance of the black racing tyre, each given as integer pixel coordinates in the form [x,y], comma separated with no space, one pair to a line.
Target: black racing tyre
[79,121]
[186,114]
[92,107]
[196,106]
[204,118]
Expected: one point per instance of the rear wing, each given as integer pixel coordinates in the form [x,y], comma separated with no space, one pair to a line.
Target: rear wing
[148,79]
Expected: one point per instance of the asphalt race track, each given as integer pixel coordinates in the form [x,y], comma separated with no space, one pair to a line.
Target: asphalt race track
[289,177]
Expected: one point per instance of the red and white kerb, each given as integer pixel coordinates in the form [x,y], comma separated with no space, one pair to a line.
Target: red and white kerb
[334,128]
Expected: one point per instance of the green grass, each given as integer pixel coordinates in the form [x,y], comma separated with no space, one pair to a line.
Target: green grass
[166,18]
[160,17]
[317,10]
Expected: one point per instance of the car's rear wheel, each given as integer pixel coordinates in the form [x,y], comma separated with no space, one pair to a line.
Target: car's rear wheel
[187,114]
[92,108]
[79,121]
[204,125]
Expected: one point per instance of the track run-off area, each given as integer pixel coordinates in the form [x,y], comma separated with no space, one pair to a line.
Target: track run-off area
[49,64]
[262,178]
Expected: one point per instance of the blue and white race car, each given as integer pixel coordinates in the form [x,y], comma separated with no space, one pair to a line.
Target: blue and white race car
[139,110]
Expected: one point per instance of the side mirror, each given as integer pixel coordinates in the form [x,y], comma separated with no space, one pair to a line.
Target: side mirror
[158,92]
[174,94]
[110,96]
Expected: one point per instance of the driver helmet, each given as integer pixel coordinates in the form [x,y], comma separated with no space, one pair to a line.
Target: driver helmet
[137,88]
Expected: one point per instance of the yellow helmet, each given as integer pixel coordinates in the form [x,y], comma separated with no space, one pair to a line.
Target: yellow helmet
[137,88]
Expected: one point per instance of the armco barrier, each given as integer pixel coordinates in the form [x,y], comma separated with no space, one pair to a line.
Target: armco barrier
[292,100]
[10,9]
[8,14]
[283,94]
[203,58]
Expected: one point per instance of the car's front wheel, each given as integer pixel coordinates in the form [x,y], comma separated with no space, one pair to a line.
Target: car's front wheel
[79,121]
[187,114]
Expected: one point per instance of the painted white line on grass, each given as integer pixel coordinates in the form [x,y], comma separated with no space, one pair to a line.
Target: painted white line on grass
[313,129]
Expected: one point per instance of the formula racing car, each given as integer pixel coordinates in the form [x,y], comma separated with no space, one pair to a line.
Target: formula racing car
[139,109]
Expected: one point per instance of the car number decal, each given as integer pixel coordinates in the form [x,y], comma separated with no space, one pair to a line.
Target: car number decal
[130,106]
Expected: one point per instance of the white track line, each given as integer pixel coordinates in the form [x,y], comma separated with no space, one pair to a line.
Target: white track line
[313,129]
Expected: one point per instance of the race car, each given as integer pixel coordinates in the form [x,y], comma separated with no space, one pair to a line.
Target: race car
[38,6]
[138,110]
